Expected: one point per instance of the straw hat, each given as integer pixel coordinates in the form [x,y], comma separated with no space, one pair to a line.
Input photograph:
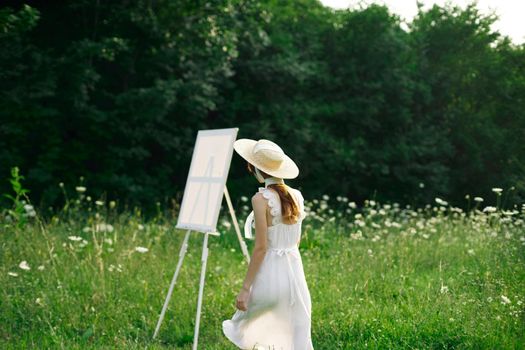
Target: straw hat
[268,157]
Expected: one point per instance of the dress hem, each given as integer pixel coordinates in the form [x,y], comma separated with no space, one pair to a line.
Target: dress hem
[227,329]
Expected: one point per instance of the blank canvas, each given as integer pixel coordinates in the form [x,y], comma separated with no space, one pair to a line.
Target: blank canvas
[207,176]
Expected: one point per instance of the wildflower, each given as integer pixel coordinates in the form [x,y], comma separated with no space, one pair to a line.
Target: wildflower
[352,205]
[88,198]
[421,185]
[441,202]
[444,289]
[61,184]
[244,199]
[80,189]
[489,209]
[141,249]
[505,300]
[141,227]
[467,196]
[102,227]
[24,265]
[357,235]
[372,203]
[338,198]
[112,204]
[497,190]
[470,251]
[75,238]
[41,268]
[226,224]
[360,223]
[369,251]
[478,199]
[326,197]
[99,203]
[14,274]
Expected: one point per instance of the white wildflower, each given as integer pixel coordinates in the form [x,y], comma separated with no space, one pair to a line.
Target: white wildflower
[441,201]
[41,267]
[141,249]
[24,265]
[326,197]
[505,300]
[244,199]
[103,227]
[80,189]
[357,235]
[490,209]
[75,238]
[14,274]
[444,289]
[497,190]
[478,199]
[352,205]
[99,203]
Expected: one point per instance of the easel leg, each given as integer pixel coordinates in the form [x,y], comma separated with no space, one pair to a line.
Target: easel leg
[201,289]
[182,252]
[244,248]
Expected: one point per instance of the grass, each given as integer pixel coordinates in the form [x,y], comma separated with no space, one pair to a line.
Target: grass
[380,277]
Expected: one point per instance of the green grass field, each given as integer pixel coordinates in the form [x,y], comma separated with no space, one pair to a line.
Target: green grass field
[380,277]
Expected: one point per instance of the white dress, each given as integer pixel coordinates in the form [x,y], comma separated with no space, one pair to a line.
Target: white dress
[279,306]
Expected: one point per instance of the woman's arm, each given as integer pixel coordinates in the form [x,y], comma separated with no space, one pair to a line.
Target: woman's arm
[261,231]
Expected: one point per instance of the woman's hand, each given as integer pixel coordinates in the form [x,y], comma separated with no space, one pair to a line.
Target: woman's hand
[242,300]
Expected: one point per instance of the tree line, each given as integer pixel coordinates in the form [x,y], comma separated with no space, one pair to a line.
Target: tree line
[368,106]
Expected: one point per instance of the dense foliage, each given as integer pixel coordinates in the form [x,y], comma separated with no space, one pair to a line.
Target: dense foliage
[115,91]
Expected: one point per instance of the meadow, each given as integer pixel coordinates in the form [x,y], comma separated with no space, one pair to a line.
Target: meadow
[381,276]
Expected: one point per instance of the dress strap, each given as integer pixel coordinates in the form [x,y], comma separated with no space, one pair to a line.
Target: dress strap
[274,203]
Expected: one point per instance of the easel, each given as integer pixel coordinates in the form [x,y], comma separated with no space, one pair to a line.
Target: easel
[204,259]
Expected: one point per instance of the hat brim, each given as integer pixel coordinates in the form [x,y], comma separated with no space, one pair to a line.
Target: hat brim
[287,170]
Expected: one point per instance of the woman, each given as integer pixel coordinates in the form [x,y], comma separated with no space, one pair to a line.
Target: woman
[274,306]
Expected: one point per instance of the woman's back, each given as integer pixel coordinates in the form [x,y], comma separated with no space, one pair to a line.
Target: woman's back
[281,234]
[279,307]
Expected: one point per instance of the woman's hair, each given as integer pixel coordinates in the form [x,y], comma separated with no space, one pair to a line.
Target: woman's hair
[289,207]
